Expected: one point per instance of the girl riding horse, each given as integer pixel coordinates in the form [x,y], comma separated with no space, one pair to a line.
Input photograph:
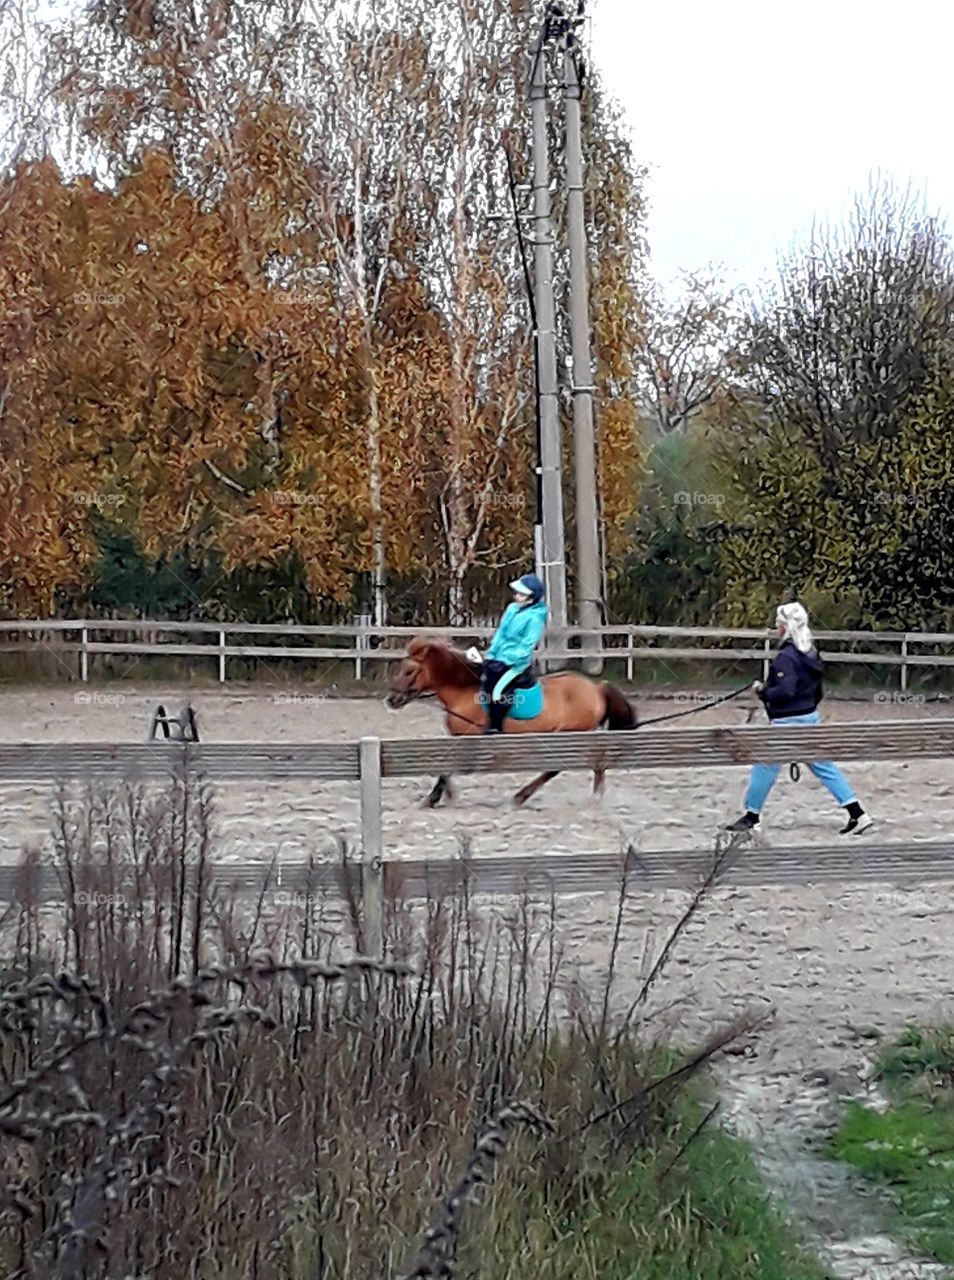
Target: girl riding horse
[572,703]
[507,664]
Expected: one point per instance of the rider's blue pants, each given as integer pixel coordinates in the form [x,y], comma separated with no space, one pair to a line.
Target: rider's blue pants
[763,776]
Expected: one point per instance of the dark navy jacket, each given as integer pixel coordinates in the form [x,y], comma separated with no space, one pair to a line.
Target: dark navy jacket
[794,686]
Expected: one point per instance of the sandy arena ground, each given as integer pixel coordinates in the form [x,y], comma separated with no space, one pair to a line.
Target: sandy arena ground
[827,959]
[656,810]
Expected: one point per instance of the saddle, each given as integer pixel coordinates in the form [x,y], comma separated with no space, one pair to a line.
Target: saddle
[523,693]
[527,702]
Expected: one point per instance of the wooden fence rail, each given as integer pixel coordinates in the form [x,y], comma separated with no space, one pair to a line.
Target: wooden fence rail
[371,762]
[715,748]
[502,877]
[360,645]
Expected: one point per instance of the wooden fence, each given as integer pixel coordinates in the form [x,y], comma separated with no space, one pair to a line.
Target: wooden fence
[359,647]
[372,761]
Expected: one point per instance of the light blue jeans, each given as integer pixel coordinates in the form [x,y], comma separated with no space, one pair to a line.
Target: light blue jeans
[763,776]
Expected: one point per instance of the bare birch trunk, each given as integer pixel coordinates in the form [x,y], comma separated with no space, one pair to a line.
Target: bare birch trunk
[457,522]
[456,615]
[376,500]
[373,424]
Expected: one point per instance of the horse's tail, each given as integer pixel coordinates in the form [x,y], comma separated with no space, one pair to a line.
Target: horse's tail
[620,712]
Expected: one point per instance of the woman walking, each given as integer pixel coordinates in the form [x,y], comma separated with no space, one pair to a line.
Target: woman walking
[791,696]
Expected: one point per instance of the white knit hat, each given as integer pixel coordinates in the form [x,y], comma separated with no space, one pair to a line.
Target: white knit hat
[794,619]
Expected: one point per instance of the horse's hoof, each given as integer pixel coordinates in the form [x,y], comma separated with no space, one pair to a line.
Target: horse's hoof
[431,802]
[520,799]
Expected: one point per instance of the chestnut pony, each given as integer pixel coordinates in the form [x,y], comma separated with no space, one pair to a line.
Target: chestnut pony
[572,703]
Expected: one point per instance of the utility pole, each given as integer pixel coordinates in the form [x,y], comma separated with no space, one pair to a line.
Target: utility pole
[552,555]
[588,576]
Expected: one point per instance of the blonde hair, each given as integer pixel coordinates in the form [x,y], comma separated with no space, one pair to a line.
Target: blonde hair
[794,618]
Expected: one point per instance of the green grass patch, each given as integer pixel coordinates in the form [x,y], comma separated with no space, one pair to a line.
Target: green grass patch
[709,1215]
[675,1201]
[908,1151]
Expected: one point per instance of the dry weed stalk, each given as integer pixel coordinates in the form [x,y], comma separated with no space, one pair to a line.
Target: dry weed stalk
[128,1154]
[148,1128]
[436,1259]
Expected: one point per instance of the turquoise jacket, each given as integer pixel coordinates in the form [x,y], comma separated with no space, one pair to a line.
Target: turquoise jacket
[520,631]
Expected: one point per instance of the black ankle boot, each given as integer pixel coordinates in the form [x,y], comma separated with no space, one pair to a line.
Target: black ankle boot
[747,822]
[858,821]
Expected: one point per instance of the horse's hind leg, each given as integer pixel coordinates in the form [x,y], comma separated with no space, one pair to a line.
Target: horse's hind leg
[531,789]
[440,786]
[599,778]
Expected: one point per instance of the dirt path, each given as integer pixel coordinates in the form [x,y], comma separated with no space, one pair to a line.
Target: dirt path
[785,1119]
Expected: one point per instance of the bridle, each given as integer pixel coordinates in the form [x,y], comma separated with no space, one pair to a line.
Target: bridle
[423,695]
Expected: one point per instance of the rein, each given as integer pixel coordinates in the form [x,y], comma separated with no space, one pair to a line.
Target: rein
[672,715]
[422,697]
[691,711]
[794,769]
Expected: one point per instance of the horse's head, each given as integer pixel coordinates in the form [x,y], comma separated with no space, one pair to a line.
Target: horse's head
[429,667]
[412,677]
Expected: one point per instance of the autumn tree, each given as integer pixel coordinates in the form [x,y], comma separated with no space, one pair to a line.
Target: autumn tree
[842,444]
[477,450]
[682,362]
[279,327]
[616,224]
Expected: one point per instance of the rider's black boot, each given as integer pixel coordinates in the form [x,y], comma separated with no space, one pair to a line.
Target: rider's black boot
[496,714]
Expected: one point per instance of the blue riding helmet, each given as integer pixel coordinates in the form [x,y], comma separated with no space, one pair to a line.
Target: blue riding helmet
[530,585]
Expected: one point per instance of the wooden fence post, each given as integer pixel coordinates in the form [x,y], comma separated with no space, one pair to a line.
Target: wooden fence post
[221,657]
[84,655]
[362,621]
[767,649]
[372,876]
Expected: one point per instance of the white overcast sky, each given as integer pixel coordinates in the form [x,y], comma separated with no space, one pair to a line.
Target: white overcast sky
[758,116]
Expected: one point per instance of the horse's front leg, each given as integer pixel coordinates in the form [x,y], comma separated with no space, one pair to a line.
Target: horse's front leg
[531,789]
[441,786]
[599,778]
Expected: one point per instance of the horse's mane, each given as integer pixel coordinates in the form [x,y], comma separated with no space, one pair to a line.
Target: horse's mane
[449,666]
